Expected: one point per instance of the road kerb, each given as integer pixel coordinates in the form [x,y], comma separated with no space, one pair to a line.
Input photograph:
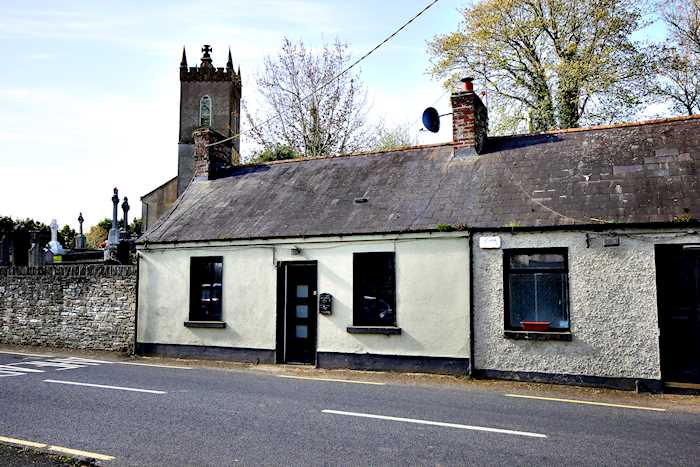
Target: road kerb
[49,448]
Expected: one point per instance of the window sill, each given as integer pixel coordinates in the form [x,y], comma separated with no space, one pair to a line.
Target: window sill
[538,335]
[386,330]
[205,324]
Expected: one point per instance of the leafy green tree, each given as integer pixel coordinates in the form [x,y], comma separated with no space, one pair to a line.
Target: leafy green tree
[553,63]
[278,152]
[96,236]
[66,236]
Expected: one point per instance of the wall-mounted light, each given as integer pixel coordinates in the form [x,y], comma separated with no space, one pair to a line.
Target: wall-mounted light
[296,251]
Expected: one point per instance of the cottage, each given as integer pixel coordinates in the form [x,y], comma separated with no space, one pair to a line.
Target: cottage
[570,256]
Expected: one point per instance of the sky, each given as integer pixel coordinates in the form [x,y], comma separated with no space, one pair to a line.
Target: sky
[89,91]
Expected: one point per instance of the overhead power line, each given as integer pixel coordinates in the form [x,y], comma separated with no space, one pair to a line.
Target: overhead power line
[348,68]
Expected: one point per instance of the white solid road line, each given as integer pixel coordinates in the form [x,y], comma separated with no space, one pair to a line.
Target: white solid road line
[331,379]
[103,386]
[26,354]
[575,401]
[73,452]
[443,424]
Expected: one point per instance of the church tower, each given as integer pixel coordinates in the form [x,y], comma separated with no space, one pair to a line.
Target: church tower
[209,97]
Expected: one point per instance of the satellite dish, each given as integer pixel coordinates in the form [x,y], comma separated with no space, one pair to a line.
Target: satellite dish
[431,119]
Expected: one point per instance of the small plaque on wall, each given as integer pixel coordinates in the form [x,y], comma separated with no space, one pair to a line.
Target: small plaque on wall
[325,304]
[487,243]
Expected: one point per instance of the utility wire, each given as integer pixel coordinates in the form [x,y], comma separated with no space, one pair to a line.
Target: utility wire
[351,66]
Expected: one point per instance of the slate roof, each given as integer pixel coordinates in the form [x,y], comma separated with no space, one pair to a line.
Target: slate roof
[633,173]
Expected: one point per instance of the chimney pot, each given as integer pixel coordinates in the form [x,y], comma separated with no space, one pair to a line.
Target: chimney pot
[468,84]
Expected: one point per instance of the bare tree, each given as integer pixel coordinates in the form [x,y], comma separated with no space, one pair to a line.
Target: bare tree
[395,137]
[677,61]
[306,107]
[683,20]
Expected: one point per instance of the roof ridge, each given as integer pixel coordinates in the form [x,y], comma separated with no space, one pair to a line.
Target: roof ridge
[657,121]
[608,126]
[350,154]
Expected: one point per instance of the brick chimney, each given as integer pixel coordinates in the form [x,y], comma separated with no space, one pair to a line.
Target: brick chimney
[212,162]
[470,121]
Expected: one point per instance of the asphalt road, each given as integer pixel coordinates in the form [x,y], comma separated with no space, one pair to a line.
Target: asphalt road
[200,416]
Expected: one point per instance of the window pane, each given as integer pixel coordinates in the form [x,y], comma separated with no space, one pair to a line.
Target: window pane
[374,289]
[538,297]
[205,111]
[302,291]
[205,289]
[302,331]
[522,298]
[537,260]
[302,311]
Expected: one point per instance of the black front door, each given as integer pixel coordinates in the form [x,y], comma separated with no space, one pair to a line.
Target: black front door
[300,312]
[678,282]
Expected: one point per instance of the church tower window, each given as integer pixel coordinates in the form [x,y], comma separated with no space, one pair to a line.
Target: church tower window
[205,111]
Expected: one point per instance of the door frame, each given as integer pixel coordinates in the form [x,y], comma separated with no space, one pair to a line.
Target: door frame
[281,331]
[660,250]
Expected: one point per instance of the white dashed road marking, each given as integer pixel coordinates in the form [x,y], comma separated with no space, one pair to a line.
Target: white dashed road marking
[103,386]
[442,424]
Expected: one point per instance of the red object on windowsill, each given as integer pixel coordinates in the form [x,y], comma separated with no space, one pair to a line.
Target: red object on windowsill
[535,325]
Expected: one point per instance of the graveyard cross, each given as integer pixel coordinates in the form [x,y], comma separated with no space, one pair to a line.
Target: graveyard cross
[115,202]
[125,208]
[80,221]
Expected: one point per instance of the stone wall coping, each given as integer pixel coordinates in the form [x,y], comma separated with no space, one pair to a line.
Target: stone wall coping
[71,270]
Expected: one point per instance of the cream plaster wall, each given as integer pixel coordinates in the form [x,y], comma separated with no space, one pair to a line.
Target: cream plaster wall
[612,299]
[248,300]
[432,295]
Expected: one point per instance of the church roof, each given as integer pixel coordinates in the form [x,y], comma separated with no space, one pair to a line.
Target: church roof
[625,174]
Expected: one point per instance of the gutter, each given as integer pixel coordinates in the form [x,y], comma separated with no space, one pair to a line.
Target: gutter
[596,227]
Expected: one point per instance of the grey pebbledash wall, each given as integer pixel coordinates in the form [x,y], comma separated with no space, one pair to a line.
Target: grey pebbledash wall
[72,306]
[612,300]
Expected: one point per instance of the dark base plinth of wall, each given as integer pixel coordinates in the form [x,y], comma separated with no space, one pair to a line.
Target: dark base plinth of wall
[401,363]
[242,355]
[626,384]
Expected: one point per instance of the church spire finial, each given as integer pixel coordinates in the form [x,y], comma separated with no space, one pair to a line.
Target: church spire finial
[183,62]
[206,58]
[229,63]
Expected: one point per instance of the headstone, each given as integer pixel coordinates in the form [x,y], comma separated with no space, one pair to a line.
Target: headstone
[80,238]
[5,243]
[54,245]
[36,254]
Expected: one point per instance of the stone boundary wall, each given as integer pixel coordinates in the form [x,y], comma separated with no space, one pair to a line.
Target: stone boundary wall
[73,306]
